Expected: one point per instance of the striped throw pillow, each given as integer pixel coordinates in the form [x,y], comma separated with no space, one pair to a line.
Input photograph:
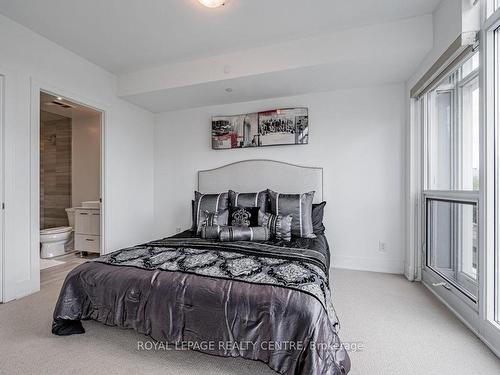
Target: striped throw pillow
[259,199]
[210,219]
[210,232]
[210,203]
[297,205]
[228,234]
[279,226]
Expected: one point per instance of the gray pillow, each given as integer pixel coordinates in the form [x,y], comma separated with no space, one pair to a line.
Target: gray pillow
[210,203]
[227,234]
[211,232]
[249,199]
[317,218]
[208,219]
[279,226]
[297,205]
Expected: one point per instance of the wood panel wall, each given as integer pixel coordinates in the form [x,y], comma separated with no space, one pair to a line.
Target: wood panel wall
[55,172]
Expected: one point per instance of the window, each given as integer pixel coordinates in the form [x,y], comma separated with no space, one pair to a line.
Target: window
[491,6]
[452,141]
[452,244]
[439,148]
[469,142]
[489,239]
[451,179]
[456,165]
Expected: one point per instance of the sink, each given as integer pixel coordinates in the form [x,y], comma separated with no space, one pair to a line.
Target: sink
[91,204]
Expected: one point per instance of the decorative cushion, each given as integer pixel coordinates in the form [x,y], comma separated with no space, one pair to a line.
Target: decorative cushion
[297,205]
[317,217]
[210,203]
[279,226]
[208,219]
[244,234]
[244,216]
[194,224]
[259,199]
[210,232]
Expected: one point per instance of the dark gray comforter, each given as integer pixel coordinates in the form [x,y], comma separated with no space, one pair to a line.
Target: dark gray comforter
[262,301]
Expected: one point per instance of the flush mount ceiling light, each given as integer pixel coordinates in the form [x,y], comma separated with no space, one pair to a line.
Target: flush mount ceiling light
[213,3]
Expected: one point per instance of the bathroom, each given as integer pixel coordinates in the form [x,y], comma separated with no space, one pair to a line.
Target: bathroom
[70,180]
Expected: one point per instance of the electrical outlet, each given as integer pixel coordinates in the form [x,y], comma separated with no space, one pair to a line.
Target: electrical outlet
[382,247]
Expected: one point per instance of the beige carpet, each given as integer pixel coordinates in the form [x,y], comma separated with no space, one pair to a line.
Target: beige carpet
[402,327]
[405,329]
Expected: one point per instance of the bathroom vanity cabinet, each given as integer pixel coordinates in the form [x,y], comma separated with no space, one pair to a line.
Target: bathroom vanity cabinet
[88,230]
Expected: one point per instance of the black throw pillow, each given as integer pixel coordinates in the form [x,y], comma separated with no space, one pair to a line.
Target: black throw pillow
[194,226]
[317,217]
[244,216]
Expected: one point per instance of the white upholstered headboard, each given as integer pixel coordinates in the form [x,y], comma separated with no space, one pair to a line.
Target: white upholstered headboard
[255,175]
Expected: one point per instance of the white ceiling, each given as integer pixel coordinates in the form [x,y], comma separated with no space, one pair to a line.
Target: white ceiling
[127,35]
[278,84]
[365,56]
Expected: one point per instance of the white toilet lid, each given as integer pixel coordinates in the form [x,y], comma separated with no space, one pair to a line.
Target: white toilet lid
[55,230]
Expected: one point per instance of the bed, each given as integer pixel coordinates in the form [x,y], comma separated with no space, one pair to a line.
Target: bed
[268,301]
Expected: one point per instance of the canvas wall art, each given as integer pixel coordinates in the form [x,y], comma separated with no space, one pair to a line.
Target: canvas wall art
[289,126]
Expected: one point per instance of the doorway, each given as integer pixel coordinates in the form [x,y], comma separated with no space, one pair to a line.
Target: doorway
[70,180]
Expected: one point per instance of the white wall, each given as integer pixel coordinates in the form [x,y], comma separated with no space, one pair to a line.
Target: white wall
[447,26]
[358,137]
[86,158]
[27,57]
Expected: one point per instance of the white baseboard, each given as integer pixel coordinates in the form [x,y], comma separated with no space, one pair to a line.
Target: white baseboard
[368,264]
[20,290]
[410,273]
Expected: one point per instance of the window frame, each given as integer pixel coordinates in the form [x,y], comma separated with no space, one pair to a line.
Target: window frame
[456,156]
[471,77]
[468,309]
[490,111]
[487,329]
[452,196]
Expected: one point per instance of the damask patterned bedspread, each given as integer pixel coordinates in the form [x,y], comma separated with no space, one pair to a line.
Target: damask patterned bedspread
[254,300]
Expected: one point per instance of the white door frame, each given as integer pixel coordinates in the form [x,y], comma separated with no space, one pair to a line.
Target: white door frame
[36,88]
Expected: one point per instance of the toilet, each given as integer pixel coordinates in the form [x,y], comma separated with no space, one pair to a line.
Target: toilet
[57,241]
